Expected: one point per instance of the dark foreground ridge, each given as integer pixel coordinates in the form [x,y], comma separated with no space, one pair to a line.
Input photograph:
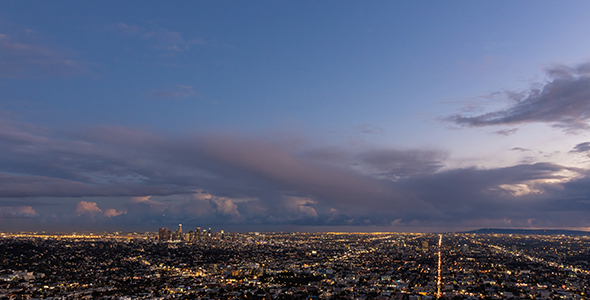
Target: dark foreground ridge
[530,231]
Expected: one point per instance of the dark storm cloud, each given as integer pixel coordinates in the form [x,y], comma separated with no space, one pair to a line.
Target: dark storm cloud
[38,162]
[396,164]
[513,194]
[272,166]
[122,162]
[563,101]
[472,187]
[14,186]
[225,179]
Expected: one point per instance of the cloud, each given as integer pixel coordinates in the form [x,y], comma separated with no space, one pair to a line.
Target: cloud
[17,212]
[227,179]
[126,29]
[581,148]
[88,208]
[301,205]
[144,199]
[160,38]
[200,195]
[520,149]
[562,101]
[506,132]
[111,212]
[24,57]
[269,165]
[395,164]
[18,186]
[91,209]
[113,162]
[472,187]
[176,92]
[368,128]
[224,206]
[459,196]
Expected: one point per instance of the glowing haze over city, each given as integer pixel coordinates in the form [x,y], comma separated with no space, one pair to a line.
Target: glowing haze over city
[406,116]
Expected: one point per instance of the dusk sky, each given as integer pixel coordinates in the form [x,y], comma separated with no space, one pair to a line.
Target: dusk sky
[294,115]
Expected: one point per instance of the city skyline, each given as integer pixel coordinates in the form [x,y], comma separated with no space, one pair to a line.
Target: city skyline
[307,116]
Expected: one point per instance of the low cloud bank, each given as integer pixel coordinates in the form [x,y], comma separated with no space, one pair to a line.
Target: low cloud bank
[227,179]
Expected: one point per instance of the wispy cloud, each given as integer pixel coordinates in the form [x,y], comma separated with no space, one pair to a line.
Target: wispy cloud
[368,128]
[506,132]
[520,149]
[176,92]
[24,57]
[562,101]
[160,38]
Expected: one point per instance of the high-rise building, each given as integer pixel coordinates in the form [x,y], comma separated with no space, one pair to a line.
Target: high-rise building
[177,236]
[161,234]
[164,234]
[198,233]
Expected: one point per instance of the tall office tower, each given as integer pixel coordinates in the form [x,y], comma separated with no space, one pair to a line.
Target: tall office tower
[162,234]
[177,236]
[425,246]
[198,233]
[222,236]
[209,233]
[191,236]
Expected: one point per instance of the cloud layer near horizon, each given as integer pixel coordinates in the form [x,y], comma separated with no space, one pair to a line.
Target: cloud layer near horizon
[226,179]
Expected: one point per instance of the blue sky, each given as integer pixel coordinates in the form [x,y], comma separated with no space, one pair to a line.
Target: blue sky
[331,115]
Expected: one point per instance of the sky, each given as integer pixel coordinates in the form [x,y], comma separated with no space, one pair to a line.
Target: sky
[408,116]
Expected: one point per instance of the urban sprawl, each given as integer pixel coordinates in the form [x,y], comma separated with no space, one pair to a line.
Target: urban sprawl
[201,264]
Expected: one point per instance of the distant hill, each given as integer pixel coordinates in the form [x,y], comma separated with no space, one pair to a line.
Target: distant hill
[529,231]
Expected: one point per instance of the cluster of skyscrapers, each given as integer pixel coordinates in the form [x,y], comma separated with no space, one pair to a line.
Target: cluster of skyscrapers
[165,234]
